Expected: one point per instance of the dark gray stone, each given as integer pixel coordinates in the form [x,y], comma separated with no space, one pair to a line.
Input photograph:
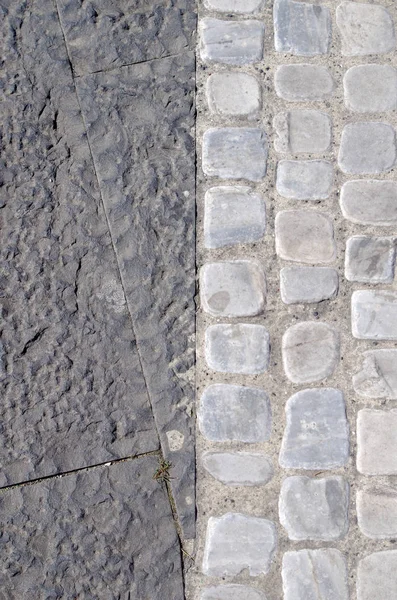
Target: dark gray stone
[300,28]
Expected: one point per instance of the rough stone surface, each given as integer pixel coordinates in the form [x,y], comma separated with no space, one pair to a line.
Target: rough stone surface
[310,351]
[305,236]
[231,42]
[297,83]
[238,468]
[365,29]
[314,509]
[308,285]
[357,202]
[231,592]
[235,153]
[233,215]
[92,534]
[377,512]
[302,131]
[301,29]
[367,148]
[233,289]
[317,433]
[241,348]
[304,179]
[361,81]
[377,576]
[370,259]
[234,94]
[315,575]
[236,542]
[377,442]
[377,376]
[234,6]
[374,315]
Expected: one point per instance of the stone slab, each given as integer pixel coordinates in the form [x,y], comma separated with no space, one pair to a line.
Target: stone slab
[231,42]
[377,375]
[304,179]
[370,259]
[308,285]
[374,314]
[303,132]
[240,7]
[238,468]
[377,512]
[377,576]
[360,82]
[305,236]
[370,202]
[367,148]
[365,29]
[377,442]
[231,592]
[303,82]
[241,348]
[301,29]
[233,94]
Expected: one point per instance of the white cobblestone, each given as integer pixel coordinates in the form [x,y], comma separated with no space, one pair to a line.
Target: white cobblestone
[238,468]
[235,6]
[377,376]
[305,82]
[241,348]
[365,29]
[302,131]
[304,179]
[357,202]
[305,236]
[377,576]
[308,285]
[374,314]
[231,592]
[234,94]
[231,42]
[370,259]
[367,148]
[361,81]
[377,512]
[301,29]
[377,442]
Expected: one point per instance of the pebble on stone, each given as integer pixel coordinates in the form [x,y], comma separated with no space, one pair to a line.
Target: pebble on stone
[304,179]
[233,215]
[315,575]
[231,42]
[241,348]
[367,148]
[301,29]
[233,289]
[317,433]
[377,512]
[370,202]
[308,285]
[305,236]
[377,377]
[370,259]
[365,29]
[377,442]
[235,153]
[374,315]
[314,509]
[360,83]
[231,592]
[310,351]
[235,542]
[297,83]
[302,131]
[235,94]
[238,468]
[235,413]
[377,576]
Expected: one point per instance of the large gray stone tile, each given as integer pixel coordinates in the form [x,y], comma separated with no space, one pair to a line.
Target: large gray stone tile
[231,42]
[241,348]
[301,29]
[238,468]
[308,285]
[374,314]
[377,512]
[365,28]
[303,82]
[377,576]
[357,202]
[377,375]
[367,148]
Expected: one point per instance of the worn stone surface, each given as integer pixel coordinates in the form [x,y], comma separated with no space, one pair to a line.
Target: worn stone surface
[367,148]
[377,576]
[361,81]
[241,348]
[304,179]
[238,468]
[314,509]
[370,259]
[377,512]
[297,83]
[308,285]
[234,94]
[357,202]
[231,592]
[92,534]
[235,413]
[317,433]
[235,542]
[374,314]
[377,375]
[315,575]
[302,131]
[305,236]
[301,29]
[365,29]
[377,442]
[231,42]
[234,6]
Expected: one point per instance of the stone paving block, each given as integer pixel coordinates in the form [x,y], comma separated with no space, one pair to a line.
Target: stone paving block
[370,259]
[235,413]
[231,592]
[377,512]
[238,468]
[315,575]
[377,376]
[377,442]
[233,215]
[235,6]
[231,42]
[314,509]
[308,285]
[235,153]
[374,314]
[234,94]
[317,432]
[304,179]
[233,289]
[302,131]
[235,542]
[367,148]
[301,29]
[241,348]
[377,576]
[357,202]
[361,81]
[365,29]
[310,351]
[305,236]
[298,83]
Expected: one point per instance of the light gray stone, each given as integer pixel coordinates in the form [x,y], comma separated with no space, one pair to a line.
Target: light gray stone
[235,153]
[241,348]
[370,202]
[233,215]
[238,468]
[365,29]
[367,148]
[370,259]
[231,42]
[235,94]
[377,442]
[315,575]
[301,29]
[371,88]
[233,289]
[302,131]
[231,592]
[297,83]
[374,314]
[377,576]
[308,285]
[377,377]
[314,509]
[304,179]
[305,236]
[235,542]
[377,512]
[235,6]
[235,413]
[317,433]
[310,351]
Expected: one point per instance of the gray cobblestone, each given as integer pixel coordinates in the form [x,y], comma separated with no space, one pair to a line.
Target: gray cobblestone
[302,131]
[241,348]
[374,314]
[367,148]
[307,285]
[238,468]
[377,376]
[365,29]
[377,576]
[357,202]
[231,42]
[231,592]
[235,94]
[370,259]
[361,81]
[301,29]
[377,442]
[305,236]
[297,83]
[377,512]
[304,179]
[234,6]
